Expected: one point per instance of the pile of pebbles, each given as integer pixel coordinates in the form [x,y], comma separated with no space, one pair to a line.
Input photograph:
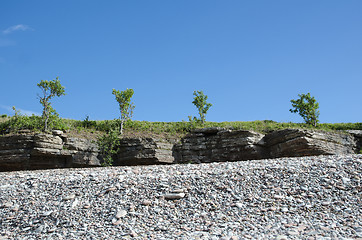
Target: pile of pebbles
[285,198]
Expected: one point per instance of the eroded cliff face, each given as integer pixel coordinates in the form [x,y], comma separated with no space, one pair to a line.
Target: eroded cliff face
[142,151]
[299,142]
[210,145]
[29,151]
[217,145]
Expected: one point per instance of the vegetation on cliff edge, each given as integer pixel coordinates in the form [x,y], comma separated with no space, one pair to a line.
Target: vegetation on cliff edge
[132,128]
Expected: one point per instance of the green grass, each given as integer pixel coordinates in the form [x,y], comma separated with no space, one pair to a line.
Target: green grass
[34,123]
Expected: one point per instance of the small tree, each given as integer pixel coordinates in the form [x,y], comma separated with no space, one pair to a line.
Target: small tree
[125,105]
[201,104]
[108,145]
[307,107]
[50,89]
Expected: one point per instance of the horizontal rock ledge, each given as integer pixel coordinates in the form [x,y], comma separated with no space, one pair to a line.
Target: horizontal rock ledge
[30,151]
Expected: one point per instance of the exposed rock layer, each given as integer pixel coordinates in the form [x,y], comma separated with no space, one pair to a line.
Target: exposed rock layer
[141,151]
[29,151]
[217,145]
[299,142]
[214,144]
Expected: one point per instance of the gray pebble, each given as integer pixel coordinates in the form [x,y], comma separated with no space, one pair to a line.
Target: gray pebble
[286,198]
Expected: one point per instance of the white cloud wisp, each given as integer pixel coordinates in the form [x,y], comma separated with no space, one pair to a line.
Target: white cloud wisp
[19,27]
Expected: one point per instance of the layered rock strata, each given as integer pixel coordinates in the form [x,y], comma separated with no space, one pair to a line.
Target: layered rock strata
[357,134]
[300,142]
[219,145]
[29,151]
[216,145]
[141,151]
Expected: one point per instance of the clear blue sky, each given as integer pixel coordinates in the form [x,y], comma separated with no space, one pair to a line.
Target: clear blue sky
[250,57]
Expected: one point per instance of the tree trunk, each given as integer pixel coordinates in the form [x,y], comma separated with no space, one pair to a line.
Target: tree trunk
[46,122]
[121,130]
[46,117]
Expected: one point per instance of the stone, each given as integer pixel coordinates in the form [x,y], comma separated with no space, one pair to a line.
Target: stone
[121,213]
[47,213]
[146,202]
[58,133]
[284,209]
[52,230]
[239,205]
[47,138]
[39,229]
[69,197]
[279,196]
[110,189]
[86,206]
[75,203]
[272,208]
[174,196]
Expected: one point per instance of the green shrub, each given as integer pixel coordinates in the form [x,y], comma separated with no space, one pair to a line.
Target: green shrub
[307,107]
[108,144]
[86,123]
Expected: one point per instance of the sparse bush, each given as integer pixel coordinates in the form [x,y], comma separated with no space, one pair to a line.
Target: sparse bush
[19,121]
[86,123]
[108,145]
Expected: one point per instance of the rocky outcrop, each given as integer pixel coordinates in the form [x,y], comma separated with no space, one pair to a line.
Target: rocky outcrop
[140,151]
[217,145]
[84,152]
[300,142]
[357,134]
[29,151]
[15,152]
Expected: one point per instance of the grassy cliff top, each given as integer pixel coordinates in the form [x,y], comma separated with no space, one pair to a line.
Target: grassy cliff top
[173,130]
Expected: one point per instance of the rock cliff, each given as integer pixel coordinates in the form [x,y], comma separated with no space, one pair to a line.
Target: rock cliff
[214,144]
[28,151]
[217,145]
[300,142]
[141,151]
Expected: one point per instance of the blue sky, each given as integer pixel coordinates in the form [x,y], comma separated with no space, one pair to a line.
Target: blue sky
[250,57]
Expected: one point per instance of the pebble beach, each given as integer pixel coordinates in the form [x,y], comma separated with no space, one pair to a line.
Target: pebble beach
[317,197]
